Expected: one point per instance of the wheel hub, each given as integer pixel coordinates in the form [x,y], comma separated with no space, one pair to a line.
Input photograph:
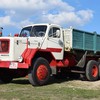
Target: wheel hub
[42,72]
[94,71]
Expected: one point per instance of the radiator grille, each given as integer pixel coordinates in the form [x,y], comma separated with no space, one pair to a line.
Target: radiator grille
[4,46]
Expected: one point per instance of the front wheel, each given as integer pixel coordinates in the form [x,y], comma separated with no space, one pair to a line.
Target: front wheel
[40,72]
[92,70]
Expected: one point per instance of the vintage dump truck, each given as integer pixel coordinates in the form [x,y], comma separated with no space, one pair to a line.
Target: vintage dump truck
[42,51]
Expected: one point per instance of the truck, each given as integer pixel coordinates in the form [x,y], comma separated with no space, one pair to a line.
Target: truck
[44,50]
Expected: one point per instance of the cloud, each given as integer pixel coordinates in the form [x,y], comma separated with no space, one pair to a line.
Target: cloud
[22,12]
[6,21]
[69,18]
[24,23]
[85,14]
[34,4]
[23,4]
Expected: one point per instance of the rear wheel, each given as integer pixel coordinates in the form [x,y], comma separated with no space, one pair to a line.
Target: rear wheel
[40,72]
[92,70]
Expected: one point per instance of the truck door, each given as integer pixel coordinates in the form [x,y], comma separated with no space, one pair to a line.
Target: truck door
[55,42]
[37,36]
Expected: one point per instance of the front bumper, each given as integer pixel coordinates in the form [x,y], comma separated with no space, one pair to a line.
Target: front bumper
[13,65]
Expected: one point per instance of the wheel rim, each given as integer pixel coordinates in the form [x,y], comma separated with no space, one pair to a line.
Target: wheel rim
[94,71]
[42,72]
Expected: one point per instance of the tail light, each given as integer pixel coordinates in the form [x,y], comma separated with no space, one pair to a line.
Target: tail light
[4,45]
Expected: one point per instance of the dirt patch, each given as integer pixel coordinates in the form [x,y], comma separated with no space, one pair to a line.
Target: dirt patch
[81,84]
[95,85]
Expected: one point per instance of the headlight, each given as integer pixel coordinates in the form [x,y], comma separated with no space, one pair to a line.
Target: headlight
[20,58]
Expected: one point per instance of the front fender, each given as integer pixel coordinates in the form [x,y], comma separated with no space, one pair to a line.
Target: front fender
[28,54]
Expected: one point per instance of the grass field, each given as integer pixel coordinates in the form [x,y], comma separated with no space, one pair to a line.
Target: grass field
[21,89]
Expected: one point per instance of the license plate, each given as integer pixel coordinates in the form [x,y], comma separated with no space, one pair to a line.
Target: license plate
[13,65]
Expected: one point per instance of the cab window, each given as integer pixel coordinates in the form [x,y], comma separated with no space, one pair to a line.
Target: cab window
[54,32]
[25,32]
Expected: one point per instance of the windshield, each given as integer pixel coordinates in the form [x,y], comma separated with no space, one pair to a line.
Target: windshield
[39,31]
[25,32]
[36,31]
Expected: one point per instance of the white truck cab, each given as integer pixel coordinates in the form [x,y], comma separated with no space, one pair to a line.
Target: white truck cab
[44,36]
[41,36]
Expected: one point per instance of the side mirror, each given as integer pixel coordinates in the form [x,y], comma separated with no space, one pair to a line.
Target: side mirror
[58,33]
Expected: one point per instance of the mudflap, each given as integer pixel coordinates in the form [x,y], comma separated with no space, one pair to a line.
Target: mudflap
[82,61]
[79,67]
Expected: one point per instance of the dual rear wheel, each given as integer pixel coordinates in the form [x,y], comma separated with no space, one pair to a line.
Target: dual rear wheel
[92,70]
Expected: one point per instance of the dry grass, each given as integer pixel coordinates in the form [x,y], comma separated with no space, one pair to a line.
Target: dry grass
[21,89]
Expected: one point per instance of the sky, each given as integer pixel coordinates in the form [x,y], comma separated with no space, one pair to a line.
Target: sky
[80,14]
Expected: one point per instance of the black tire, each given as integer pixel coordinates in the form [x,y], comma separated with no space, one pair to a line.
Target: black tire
[39,73]
[5,77]
[92,70]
